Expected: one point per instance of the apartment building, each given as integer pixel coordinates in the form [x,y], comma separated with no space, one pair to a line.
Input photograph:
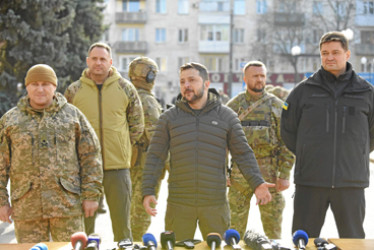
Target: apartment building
[225,34]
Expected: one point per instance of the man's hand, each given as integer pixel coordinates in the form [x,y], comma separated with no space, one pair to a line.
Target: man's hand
[5,213]
[262,193]
[281,184]
[147,202]
[89,208]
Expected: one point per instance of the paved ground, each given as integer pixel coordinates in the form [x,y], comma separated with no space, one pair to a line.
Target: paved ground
[103,224]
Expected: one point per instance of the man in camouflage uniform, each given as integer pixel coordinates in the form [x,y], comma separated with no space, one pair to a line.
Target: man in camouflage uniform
[51,155]
[259,113]
[142,73]
[113,107]
[278,91]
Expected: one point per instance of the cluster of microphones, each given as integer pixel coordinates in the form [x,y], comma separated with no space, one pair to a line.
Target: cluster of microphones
[254,240]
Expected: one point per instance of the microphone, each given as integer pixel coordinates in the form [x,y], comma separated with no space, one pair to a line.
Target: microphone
[168,240]
[300,239]
[39,246]
[213,240]
[256,241]
[322,244]
[93,242]
[232,238]
[149,241]
[125,244]
[78,240]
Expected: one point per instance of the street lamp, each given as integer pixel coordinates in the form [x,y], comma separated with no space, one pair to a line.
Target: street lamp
[295,52]
[348,33]
[364,60]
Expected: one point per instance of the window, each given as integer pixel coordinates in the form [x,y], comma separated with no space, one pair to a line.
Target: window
[214,64]
[239,7]
[183,6]
[160,35]
[214,6]
[368,7]
[214,33]
[340,8]
[261,35]
[182,35]
[161,63]
[182,61]
[130,34]
[161,6]
[238,36]
[317,8]
[130,5]
[124,62]
[367,37]
[261,6]
[239,64]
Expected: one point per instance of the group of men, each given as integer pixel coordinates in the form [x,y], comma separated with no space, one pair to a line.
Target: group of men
[108,135]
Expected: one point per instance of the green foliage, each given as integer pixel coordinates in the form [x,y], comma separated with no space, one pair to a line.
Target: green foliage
[54,32]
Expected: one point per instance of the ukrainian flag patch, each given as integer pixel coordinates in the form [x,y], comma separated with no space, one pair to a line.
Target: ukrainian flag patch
[285,105]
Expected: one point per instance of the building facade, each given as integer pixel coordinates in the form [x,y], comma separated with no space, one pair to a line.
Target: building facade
[225,34]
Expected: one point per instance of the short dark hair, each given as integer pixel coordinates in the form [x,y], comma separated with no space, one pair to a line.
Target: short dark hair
[253,63]
[203,71]
[334,36]
[100,45]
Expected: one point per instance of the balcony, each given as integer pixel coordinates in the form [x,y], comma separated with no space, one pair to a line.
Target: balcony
[364,49]
[131,17]
[214,47]
[130,47]
[289,19]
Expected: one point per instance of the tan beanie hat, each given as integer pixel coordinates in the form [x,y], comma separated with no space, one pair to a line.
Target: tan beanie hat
[41,72]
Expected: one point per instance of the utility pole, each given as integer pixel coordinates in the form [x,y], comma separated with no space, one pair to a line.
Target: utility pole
[229,84]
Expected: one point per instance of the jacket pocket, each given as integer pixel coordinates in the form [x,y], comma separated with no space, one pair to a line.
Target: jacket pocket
[22,189]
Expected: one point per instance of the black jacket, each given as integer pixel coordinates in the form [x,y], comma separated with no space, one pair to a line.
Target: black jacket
[197,142]
[328,123]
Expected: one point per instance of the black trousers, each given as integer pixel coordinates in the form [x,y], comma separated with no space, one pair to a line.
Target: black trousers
[347,206]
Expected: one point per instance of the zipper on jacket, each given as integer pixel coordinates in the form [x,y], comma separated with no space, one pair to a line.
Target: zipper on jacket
[344,118]
[101,126]
[196,160]
[327,118]
[334,143]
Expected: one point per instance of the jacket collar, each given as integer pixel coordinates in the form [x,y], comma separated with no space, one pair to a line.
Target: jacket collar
[114,75]
[58,102]
[213,101]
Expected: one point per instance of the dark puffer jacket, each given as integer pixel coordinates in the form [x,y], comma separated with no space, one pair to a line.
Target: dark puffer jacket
[197,141]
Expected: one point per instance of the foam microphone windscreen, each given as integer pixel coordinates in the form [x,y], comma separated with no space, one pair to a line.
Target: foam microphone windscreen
[231,234]
[299,237]
[39,246]
[257,241]
[149,239]
[213,237]
[168,236]
[78,240]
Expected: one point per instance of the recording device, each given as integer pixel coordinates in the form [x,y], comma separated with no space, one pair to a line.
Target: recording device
[78,240]
[39,246]
[232,238]
[322,244]
[213,240]
[256,241]
[150,241]
[168,240]
[93,242]
[125,244]
[300,239]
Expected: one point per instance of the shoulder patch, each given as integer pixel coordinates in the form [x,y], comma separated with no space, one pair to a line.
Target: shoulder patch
[285,106]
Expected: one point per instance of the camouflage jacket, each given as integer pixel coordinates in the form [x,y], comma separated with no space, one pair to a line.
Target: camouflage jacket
[262,129]
[152,111]
[115,112]
[52,158]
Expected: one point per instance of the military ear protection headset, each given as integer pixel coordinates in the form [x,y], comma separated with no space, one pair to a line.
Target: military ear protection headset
[150,76]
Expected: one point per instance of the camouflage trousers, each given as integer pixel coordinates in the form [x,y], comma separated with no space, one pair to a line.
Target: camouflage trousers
[271,213]
[59,228]
[140,220]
